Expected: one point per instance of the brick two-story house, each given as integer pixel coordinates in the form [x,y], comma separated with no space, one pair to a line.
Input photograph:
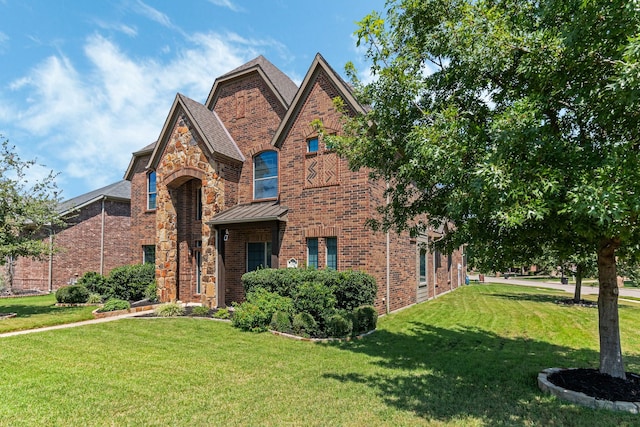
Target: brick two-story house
[244,180]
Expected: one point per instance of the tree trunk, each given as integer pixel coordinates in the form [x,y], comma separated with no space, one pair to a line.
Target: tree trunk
[577,293]
[609,323]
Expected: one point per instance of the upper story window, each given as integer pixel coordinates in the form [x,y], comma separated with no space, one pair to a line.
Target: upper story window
[312,145]
[151,190]
[265,175]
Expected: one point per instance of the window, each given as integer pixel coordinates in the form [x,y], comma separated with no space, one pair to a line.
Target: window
[258,255]
[199,204]
[265,175]
[437,261]
[423,267]
[312,145]
[312,253]
[151,190]
[198,255]
[332,253]
[149,254]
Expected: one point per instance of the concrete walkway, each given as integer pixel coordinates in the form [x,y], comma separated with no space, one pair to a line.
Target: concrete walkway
[585,290]
[70,325]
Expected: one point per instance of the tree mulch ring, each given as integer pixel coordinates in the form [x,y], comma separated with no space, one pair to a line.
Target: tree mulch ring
[581,303]
[601,386]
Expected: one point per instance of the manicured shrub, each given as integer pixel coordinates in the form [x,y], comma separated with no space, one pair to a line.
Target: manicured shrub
[94,299]
[200,311]
[115,304]
[339,326]
[353,289]
[316,299]
[222,313]
[304,325]
[248,317]
[366,317]
[281,322]
[129,282]
[95,282]
[151,292]
[72,294]
[170,309]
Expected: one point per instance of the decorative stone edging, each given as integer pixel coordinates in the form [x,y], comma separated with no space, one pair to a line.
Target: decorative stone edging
[101,315]
[580,398]
[321,340]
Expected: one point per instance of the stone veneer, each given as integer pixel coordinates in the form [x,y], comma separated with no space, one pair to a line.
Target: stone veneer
[184,160]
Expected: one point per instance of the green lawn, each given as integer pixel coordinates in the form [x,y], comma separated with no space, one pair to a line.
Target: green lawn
[39,311]
[469,358]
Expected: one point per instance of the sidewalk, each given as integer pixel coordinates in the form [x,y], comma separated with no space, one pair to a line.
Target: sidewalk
[69,325]
[585,290]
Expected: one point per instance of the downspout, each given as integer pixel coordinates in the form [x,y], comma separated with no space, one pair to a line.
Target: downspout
[51,260]
[102,240]
[388,263]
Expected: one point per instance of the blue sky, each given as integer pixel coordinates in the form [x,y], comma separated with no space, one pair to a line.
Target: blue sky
[83,84]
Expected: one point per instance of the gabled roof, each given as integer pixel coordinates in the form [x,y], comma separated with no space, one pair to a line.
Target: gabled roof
[281,85]
[252,212]
[120,190]
[128,175]
[206,123]
[319,65]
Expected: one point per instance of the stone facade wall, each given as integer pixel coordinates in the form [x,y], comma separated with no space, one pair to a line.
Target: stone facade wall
[78,248]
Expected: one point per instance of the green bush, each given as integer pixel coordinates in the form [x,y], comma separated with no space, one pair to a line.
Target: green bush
[248,317]
[95,282]
[304,325]
[222,313]
[115,304]
[72,294]
[339,326]
[170,309]
[129,282]
[316,299]
[366,317]
[151,292]
[94,299]
[201,311]
[281,322]
[354,289]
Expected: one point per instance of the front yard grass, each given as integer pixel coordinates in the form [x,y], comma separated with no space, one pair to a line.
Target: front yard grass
[39,311]
[469,358]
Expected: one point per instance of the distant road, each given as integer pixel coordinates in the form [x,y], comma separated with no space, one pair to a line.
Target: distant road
[585,290]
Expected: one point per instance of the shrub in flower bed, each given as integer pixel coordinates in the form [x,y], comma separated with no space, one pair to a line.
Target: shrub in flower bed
[72,294]
[170,309]
[115,304]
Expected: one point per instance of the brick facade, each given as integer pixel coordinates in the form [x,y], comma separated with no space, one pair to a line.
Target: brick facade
[321,197]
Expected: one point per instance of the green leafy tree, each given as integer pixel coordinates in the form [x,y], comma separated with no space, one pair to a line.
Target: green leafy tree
[27,209]
[513,121]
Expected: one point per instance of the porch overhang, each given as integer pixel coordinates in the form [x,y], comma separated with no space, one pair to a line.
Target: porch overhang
[253,212]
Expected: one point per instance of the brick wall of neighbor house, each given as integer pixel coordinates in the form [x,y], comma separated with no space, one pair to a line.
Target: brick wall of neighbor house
[143,223]
[78,248]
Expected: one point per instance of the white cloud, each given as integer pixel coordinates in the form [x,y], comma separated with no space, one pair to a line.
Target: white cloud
[4,41]
[228,4]
[119,27]
[152,14]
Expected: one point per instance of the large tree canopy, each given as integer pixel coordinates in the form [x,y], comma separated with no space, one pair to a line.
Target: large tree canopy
[27,206]
[516,121]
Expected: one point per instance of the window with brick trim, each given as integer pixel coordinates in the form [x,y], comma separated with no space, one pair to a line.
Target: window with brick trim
[332,252]
[149,254]
[437,261]
[312,252]
[198,256]
[199,204]
[151,190]
[312,145]
[258,255]
[265,175]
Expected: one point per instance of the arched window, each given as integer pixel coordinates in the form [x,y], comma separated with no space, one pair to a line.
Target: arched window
[265,175]
[151,190]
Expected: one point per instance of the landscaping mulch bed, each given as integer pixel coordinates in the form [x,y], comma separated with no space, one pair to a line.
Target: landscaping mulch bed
[601,386]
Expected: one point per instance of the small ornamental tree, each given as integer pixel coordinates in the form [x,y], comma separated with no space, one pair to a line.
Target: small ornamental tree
[513,122]
[27,209]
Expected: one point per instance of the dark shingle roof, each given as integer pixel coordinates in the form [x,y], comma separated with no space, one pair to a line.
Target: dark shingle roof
[254,212]
[211,128]
[120,190]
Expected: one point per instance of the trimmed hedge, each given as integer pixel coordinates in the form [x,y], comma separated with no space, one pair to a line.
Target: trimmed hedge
[72,294]
[130,282]
[96,283]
